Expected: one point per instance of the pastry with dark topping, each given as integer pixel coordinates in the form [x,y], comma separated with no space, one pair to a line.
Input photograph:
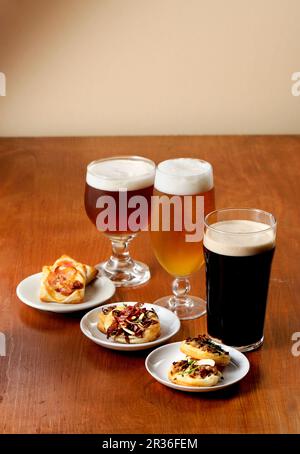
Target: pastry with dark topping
[191,372]
[202,347]
[131,324]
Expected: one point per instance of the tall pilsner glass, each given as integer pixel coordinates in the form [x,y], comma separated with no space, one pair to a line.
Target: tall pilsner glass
[189,181]
[112,186]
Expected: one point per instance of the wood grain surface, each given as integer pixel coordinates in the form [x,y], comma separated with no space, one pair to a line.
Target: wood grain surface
[53,379]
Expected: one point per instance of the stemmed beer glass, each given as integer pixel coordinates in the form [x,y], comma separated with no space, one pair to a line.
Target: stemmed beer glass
[113,187]
[185,185]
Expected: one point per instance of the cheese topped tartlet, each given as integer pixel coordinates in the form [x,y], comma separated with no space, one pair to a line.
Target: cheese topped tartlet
[190,372]
[202,347]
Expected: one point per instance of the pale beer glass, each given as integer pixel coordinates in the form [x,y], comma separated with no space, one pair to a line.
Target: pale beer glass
[178,180]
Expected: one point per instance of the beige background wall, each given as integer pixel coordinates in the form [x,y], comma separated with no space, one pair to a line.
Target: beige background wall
[95,67]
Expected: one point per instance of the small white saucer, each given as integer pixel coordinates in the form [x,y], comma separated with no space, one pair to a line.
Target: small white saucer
[97,292]
[160,360]
[169,325]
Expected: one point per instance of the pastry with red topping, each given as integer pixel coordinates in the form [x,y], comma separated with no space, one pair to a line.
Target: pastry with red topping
[65,281]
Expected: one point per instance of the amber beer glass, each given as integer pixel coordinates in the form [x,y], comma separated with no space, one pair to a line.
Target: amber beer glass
[179,257]
[111,183]
[239,246]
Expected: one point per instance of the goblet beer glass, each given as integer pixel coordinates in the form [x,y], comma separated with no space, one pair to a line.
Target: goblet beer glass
[239,246]
[114,188]
[187,185]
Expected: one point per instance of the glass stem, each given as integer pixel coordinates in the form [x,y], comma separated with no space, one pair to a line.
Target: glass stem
[120,257]
[120,267]
[181,288]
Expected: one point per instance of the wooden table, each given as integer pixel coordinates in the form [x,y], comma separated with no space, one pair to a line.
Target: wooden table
[53,379]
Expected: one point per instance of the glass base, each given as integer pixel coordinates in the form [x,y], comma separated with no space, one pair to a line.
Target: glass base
[243,348]
[191,308]
[135,273]
[251,347]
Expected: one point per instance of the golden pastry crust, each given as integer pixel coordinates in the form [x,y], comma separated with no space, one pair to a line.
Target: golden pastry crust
[58,288]
[189,373]
[65,281]
[90,271]
[202,347]
[131,324]
[101,321]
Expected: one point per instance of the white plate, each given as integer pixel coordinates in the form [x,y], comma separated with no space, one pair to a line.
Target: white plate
[169,325]
[160,360]
[98,291]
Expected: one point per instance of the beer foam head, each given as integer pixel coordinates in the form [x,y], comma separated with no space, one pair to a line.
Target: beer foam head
[184,176]
[239,238]
[121,173]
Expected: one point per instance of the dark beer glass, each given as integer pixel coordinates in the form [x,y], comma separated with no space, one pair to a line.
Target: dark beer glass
[239,246]
[114,188]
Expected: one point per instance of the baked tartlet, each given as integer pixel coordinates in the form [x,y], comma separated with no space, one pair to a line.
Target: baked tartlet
[131,324]
[202,347]
[190,372]
[65,281]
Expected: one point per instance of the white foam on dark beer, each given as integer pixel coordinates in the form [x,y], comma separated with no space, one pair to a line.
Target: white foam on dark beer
[115,174]
[239,238]
[184,176]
